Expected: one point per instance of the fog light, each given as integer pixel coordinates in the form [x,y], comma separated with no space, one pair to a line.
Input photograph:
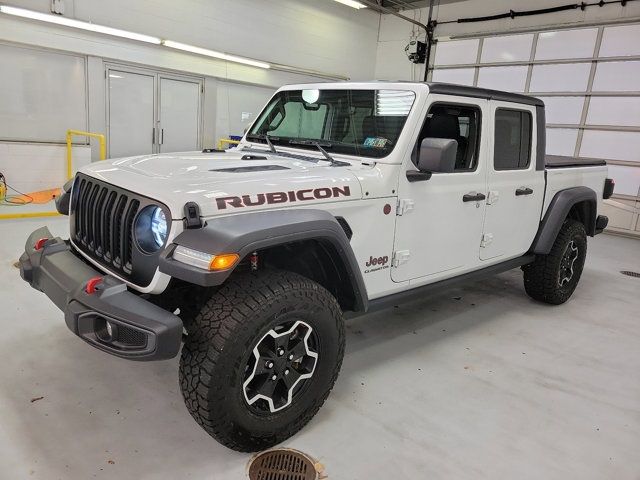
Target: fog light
[109,328]
[106,331]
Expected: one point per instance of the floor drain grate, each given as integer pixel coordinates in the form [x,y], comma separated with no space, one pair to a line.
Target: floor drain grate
[630,274]
[283,464]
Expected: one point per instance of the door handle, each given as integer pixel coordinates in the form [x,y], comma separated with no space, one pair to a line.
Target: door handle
[523,191]
[153,135]
[473,197]
[162,136]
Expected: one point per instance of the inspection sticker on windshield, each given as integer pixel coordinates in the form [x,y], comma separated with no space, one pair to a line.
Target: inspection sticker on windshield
[375,142]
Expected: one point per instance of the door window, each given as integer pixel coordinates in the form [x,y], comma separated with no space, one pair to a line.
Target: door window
[456,122]
[512,145]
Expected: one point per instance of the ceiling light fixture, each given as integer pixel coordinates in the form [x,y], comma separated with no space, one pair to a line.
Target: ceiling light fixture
[352,4]
[68,22]
[212,53]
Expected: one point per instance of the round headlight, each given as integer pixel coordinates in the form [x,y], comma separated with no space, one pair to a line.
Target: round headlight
[159,226]
[151,229]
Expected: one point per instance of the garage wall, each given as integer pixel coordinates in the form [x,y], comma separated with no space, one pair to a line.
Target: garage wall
[395,33]
[318,35]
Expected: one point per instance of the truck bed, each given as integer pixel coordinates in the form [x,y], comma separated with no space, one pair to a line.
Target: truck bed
[560,161]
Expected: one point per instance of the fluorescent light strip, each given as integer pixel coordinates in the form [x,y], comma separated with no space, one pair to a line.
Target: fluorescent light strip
[212,53]
[352,4]
[67,22]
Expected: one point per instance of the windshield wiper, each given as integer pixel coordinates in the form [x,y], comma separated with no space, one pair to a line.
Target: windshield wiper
[266,138]
[319,146]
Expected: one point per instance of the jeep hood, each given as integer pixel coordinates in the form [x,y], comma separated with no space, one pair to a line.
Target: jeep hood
[231,182]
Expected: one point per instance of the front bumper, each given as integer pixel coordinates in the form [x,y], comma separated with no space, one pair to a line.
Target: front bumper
[137,329]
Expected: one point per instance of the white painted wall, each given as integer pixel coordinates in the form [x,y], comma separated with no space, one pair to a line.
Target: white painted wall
[392,63]
[320,35]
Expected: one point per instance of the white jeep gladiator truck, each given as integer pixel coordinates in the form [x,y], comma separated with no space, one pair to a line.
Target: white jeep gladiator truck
[341,198]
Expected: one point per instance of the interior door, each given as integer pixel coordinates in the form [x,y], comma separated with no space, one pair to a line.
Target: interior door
[179,115]
[515,188]
[131,113]
[439,236]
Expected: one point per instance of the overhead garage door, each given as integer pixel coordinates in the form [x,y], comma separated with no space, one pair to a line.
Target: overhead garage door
[589,80]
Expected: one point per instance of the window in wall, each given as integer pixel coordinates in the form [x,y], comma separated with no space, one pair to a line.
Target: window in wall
[512,146]
[460,123]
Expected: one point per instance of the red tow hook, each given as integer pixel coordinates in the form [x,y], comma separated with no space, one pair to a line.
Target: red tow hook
[92,284]
[40,243]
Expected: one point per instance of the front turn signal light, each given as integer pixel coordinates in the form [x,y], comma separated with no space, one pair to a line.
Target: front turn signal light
[203,260]
[224,262]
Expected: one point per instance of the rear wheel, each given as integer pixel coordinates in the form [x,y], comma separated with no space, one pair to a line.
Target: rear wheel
[261,357]
[552,278]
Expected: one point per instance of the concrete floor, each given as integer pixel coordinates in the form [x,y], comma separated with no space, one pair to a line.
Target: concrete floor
[479,382]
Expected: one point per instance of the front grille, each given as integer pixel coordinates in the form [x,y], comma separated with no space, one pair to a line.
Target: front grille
[102,226]
[104,223]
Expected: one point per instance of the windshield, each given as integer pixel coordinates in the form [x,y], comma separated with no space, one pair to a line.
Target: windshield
[365,123]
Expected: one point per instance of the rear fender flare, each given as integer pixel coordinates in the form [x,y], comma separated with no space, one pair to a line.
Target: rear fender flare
[557,213]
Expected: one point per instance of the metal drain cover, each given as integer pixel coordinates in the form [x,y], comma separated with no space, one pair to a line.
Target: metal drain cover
[630,274]
[283,464]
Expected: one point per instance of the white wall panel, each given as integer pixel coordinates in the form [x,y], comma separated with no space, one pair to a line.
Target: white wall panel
[564,110]
[390,65]
[461,76]
[507,48]
[621,111]
[627,179]
[31,167]
[617,77]
[561,141]
[620,41]
[578,43]
[569,77]
[238,106]
[457,52]
[511,79]
[611,145]
[42,94]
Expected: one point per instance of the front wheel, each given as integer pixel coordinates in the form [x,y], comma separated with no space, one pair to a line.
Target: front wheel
[552,278]
[261,358]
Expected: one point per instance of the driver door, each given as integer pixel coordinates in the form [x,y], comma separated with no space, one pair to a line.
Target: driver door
[439,226]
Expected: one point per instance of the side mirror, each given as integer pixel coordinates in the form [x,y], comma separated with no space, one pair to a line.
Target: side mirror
[437,155]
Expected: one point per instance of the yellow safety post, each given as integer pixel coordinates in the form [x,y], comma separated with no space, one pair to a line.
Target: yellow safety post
[222,141]
[70,134]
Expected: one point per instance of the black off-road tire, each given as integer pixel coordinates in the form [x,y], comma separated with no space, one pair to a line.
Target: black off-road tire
[220,342]
[542,278]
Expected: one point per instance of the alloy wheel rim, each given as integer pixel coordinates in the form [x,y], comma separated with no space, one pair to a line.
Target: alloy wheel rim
[281,361]
[567,262]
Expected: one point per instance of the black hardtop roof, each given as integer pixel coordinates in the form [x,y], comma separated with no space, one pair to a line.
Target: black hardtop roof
[477,92]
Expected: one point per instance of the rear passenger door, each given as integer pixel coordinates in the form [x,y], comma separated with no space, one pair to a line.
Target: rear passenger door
[515,189]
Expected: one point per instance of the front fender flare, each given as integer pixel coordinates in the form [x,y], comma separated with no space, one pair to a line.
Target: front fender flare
[245,233]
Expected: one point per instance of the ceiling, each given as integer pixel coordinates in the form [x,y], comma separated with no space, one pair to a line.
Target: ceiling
[411,4]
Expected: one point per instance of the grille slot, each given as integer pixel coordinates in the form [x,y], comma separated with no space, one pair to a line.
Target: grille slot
[103,223]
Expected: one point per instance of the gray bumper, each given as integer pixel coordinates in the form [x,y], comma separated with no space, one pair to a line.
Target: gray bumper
[138,329]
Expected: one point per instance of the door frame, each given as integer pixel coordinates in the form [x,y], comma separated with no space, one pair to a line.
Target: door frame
[157,75]
[187,79]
